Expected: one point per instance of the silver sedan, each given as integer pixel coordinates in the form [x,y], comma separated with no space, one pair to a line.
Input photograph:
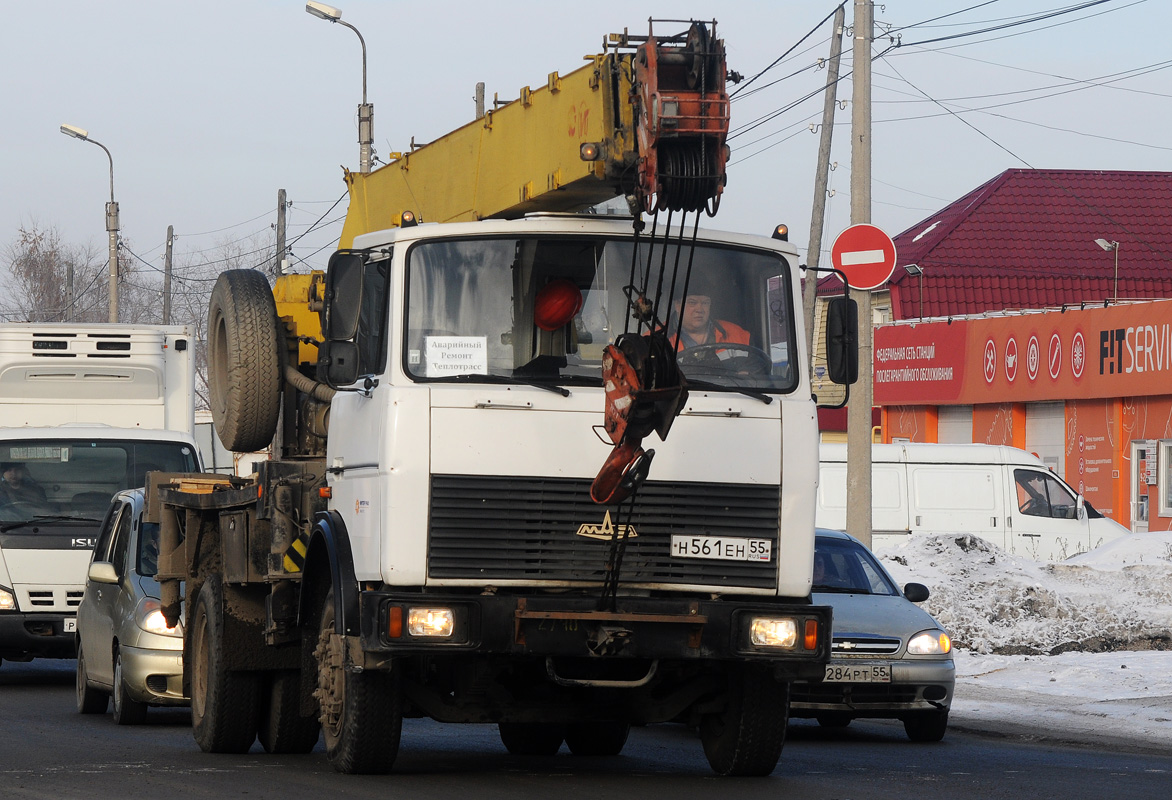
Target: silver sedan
[889,658]
[124,647]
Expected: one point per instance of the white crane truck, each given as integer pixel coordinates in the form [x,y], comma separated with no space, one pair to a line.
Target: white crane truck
[429,538]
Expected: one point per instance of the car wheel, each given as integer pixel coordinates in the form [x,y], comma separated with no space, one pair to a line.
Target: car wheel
[531,738]
[223,703]
[747,736]
[282,729]
[127,711]
[89,699]
[597,738]
[361,712]
[834,720]
[927,727]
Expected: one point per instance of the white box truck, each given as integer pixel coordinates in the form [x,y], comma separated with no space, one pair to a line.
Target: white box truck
[1002,494]
[86,411]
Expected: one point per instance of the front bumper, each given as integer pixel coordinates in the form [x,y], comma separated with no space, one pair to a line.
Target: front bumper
[915,686]
[37,635]
[638,628]
[154,676]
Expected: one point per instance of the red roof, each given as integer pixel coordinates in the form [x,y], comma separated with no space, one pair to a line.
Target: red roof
[1026,239]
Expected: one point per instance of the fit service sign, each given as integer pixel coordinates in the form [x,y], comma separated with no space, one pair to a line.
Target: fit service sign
[1121,351]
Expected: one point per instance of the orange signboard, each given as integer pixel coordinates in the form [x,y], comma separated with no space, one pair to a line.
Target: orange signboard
[1119,351]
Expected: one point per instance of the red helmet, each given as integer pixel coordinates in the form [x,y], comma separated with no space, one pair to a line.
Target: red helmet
[556,304]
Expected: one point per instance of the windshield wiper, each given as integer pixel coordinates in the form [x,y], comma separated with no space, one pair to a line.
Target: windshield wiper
[11,526]
[699,384]
[509,379]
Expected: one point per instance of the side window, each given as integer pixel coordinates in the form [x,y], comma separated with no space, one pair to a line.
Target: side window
[372,326]
[121,541]
[1062,502]
[1032,498]
[106,533]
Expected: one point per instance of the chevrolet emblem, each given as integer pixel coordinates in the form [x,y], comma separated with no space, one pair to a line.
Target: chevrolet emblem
[606,530]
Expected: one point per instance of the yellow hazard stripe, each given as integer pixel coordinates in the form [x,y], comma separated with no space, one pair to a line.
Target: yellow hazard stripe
[294,559]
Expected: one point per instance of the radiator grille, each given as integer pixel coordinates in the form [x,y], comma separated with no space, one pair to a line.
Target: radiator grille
[862,645]
[500,528]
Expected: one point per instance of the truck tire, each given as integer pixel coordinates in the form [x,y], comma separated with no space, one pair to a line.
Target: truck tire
[361,712]
[282,729]
[244,372]
[127,710]
[531,738]
[747,736]
[223,703]
[89,699]
[597,738]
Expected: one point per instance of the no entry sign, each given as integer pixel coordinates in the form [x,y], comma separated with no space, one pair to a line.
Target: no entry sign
[865,254]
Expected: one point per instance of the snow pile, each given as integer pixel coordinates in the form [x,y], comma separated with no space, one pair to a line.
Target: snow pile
[1117,597]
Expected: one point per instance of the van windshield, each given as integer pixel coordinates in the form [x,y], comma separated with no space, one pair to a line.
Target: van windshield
[75,478]
[541,309]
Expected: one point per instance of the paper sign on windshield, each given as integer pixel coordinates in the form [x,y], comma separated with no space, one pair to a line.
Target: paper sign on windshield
[455,355]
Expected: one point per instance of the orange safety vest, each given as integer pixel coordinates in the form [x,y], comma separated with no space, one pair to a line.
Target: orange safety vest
[722,331]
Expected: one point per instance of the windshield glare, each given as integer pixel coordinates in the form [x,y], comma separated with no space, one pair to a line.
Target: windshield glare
[843,566]
[474,306]
[78,477]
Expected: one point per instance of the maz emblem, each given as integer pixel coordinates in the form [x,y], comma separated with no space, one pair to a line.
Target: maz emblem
[606,530]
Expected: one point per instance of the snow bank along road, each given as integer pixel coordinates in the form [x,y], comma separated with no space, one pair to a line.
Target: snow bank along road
[1078,650]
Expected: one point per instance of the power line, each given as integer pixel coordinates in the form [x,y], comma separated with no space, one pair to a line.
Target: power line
[780,58]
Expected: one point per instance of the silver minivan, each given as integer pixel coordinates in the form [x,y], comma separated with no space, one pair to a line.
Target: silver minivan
[124,647]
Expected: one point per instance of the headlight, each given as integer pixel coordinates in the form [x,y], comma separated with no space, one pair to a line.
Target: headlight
[149,617]
[430,621]
[7,600]
[930,643]
[772,632]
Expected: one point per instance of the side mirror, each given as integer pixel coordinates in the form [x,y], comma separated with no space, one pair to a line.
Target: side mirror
[842,340]
[1081,507]
[343,296]
[103,572]
[337,363]
[916,592]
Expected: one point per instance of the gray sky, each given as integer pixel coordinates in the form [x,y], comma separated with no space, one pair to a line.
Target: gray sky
[210,107]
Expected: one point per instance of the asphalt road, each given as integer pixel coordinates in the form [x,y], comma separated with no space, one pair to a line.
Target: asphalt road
[47,750]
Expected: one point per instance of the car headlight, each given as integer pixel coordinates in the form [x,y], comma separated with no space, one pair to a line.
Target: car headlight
[7,600]
[929,643]
[149,617]
[430,622]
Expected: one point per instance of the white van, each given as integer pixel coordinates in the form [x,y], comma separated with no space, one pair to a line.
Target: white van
[999,493]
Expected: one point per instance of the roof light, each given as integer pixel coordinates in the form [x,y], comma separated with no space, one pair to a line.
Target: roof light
[407,219]
[590,151]
[781,232]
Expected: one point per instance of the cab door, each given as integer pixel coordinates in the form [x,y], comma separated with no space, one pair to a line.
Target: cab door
[1048,524]
[96,615]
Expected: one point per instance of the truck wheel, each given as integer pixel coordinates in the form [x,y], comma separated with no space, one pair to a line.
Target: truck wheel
[89,699]
[127,710]
[927,727]
[223,703]
[282,729]
[597,738]
[361,712]
[531,738]
[244,373]
[747,736]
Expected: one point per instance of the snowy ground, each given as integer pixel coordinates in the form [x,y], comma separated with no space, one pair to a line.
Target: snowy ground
[1078,650]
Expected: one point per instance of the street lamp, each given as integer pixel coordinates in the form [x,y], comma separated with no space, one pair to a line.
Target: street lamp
[1109,246]
[111,217]
[917,272]
[366,110]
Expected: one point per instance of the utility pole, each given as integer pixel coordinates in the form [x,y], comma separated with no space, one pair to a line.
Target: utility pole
[279,267]
[818,218]
[167,276]
[858,425]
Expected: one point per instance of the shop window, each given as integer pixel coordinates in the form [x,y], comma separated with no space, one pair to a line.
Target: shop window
[1165,477]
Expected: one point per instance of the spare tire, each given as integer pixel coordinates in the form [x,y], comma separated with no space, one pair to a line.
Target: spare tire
[244,372]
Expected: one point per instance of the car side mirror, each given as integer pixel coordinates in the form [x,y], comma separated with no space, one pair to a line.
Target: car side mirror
[916,592]
[103,572]
[842,340]
[337,363]
[1081,506]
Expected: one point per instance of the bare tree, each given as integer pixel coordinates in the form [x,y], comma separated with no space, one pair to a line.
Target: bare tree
[43,270]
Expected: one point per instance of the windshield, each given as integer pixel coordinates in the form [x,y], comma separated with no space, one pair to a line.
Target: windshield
[75,478]
[543,309]
[841,565]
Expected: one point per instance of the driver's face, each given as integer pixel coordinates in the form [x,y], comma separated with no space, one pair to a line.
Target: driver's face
[697,310]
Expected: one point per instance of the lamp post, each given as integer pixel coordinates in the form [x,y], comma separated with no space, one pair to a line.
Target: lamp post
[1108,245]
[366,110]
[111,217]
[917,272]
